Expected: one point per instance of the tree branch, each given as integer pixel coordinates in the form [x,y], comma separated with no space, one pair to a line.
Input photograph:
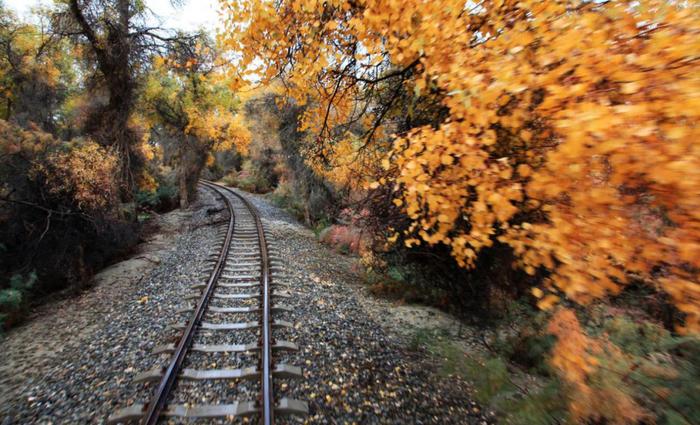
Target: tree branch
[87,30]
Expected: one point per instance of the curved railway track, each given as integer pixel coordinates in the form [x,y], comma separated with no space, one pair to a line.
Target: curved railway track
[240,283]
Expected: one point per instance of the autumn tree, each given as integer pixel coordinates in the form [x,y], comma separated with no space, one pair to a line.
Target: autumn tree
[36,71]
[118,43]
[564,131]
[70,146]
[187,98]
[58,213]
[568,134]
[277,151]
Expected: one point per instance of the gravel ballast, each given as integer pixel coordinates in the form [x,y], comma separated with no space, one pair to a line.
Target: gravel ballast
[73,361]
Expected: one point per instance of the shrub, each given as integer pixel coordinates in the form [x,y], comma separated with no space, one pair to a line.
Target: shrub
[230,179]
[625,371]
[251,179]
[14,298]
[616,366]
[284,196]
[162,199]
[343,237]
[540,406]
[59,214]
[146,199]
[82,172]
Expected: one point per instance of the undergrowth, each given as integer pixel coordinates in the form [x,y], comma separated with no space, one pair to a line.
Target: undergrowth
[403,283]
[284,197]
[163,199]
[511,373]
[253,177]
[14,299]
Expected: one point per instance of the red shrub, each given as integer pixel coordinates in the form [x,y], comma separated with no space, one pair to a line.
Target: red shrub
[343,237]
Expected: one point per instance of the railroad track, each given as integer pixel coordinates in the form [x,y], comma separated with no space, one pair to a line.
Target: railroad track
[240,285]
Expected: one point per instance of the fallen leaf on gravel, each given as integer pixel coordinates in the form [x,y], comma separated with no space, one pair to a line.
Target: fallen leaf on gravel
[143,300]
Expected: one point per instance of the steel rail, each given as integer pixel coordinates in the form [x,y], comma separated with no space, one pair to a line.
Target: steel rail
[159,399]
[267,396]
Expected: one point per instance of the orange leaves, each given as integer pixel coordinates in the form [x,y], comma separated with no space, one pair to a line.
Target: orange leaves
[581,360]
[220,128]
[686,296]
[547,301]
[524,170]
[80,171]
[428,156]
[146,182]
[86,173]
[598,234]
[584,115]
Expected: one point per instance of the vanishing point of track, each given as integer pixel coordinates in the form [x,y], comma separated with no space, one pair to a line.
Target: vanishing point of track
[245,257]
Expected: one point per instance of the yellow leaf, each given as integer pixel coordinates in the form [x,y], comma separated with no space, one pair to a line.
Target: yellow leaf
[629,88]
[547,302]
[524,170]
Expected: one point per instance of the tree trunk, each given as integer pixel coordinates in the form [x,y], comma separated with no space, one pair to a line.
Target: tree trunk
[109,125]
[184,191]
[307,209]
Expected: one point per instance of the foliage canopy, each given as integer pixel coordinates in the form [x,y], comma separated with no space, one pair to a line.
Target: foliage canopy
[569,135]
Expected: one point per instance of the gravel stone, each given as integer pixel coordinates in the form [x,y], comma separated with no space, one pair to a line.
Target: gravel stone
[354,372]
[74,361]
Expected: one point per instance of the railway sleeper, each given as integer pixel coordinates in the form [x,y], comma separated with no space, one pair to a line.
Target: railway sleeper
[245,284]
[201,286]
[240,409]
[135,412]
[247,272]
[239,262]
[281,370]
[245,262]
[238,243]
[249,284]
[242,261]
[231,326]
[228,348]
[243,277]
[213,309]
[273,285]
[196,296]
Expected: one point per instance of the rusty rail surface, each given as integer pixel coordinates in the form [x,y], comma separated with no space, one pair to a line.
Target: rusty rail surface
[266,369]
